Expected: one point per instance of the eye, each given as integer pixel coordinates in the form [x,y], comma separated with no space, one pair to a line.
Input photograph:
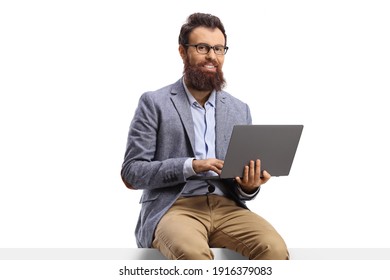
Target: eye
[203,48]
[219,49]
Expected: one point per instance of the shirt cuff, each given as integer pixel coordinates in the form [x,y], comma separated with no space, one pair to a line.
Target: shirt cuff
[247,195]
[188,171]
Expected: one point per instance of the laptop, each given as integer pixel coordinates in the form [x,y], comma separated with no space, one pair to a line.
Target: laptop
[274,145]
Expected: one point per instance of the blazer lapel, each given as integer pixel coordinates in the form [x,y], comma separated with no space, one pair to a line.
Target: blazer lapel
[180,101]
[223,126]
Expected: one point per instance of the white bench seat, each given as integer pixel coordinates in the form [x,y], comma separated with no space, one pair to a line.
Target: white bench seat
[153,254]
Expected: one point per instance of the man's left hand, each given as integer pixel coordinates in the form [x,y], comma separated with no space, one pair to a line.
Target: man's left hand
[252,178]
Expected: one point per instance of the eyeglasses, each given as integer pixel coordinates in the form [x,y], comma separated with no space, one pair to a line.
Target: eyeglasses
[205,48]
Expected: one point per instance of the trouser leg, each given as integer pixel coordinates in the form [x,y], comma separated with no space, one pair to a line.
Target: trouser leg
[182,233]
[245,232]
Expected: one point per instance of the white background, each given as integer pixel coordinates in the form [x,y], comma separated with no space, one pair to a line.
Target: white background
[71,73]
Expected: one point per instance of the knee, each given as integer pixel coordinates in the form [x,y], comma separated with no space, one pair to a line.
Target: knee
[275,249]
[186,252]
[275,252]
[195,254]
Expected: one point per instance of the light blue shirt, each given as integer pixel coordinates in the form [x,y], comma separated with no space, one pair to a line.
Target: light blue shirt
[204,128]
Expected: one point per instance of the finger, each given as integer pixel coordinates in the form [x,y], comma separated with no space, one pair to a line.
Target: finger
[251,170]
[219,164]
[266,177]
[246,174]
[258,169]
[216,170]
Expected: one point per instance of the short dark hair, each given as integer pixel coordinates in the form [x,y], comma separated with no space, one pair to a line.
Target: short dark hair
[199,20]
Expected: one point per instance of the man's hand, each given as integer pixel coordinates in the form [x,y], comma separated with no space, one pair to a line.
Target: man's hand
[252,179]
[210,164]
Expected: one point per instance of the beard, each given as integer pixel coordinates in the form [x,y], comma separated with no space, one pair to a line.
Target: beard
[202,80]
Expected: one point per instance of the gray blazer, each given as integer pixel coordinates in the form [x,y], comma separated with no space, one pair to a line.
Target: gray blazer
[161,137]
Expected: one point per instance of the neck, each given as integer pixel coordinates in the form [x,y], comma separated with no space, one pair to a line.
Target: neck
[201,96]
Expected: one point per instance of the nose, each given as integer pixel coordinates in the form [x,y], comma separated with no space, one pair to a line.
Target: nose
[211,54]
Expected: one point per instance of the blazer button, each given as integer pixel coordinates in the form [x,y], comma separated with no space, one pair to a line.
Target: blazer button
[211,189]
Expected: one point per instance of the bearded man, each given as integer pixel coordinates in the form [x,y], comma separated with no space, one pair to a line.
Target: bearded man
[183,130]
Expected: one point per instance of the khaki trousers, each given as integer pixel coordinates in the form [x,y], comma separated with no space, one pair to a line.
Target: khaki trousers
[194,224]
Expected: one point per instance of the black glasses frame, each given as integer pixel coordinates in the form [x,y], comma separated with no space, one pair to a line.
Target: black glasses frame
[208,48]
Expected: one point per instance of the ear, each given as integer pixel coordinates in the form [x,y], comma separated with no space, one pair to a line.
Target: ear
[182,52]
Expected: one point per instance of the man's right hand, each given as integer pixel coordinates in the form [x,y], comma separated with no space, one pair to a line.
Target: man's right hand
[210,164]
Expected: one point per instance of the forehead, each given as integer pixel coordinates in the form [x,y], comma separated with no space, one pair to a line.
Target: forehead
[207,35]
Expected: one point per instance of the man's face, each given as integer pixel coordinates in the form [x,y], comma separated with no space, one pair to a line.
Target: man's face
[203,71]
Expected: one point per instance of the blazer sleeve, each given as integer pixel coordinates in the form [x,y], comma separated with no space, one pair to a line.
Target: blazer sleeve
[140,169]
